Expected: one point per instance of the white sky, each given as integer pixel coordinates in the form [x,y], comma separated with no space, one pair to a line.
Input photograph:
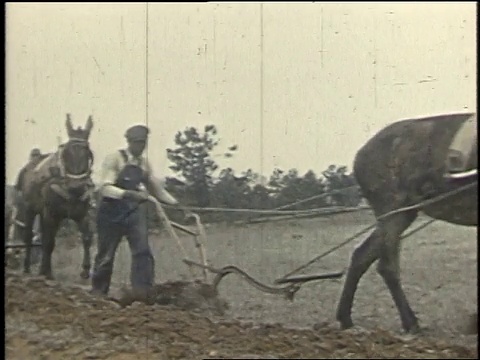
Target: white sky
[334,74]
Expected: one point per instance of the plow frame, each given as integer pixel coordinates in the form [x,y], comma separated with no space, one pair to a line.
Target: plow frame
[199,237]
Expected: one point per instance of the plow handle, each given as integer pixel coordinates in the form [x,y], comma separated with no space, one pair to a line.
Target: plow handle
[199,244]
[170,227]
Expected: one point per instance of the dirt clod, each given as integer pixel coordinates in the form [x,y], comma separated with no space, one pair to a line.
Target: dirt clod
[193,296]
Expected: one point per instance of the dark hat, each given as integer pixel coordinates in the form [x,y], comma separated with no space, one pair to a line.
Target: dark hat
[35,152]
[137,132]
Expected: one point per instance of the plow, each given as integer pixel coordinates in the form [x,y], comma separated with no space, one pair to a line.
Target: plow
[199,237]
[285,287]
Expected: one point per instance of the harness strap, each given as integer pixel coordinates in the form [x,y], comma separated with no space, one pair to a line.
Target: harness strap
[125,157]
[60,163]
[78,139]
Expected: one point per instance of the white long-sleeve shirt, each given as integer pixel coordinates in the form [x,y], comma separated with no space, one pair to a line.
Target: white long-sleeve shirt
[114,163]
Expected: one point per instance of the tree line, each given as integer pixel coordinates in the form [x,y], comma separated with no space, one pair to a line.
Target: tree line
[200,182]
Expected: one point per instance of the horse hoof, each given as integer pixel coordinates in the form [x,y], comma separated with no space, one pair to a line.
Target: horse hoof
[413,329]
[85,274]
[345,323]
[47,276]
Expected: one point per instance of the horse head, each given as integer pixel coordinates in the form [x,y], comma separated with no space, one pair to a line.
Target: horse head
[76,155]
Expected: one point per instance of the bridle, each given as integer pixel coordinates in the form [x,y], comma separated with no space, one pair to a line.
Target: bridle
[76,142]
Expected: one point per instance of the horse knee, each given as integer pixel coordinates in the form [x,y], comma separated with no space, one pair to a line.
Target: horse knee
[365,253]
[383,269]
[388,269]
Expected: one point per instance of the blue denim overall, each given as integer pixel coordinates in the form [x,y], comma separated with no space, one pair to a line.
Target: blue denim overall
[117,218]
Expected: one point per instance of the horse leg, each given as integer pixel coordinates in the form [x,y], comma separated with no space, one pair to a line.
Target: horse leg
[389,268]
[37,240]
[362,257]
[376,246]
[49,226]
[85,229]
[27,239]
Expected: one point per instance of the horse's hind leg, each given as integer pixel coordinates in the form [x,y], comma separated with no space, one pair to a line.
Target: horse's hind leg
[49,227]
[389,268]
[86,230]
[383,244]
[27,239]
[363,256]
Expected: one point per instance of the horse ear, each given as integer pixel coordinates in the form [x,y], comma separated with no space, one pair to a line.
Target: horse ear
[69,125]
[89,125]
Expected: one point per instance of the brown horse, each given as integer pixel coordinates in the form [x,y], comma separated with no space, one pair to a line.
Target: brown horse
[400,166]
[59,188]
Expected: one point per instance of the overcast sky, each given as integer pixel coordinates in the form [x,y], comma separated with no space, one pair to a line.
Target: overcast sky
[333,75]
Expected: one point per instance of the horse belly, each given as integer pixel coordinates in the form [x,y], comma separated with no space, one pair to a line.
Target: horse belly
[73,209]
[463,210]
